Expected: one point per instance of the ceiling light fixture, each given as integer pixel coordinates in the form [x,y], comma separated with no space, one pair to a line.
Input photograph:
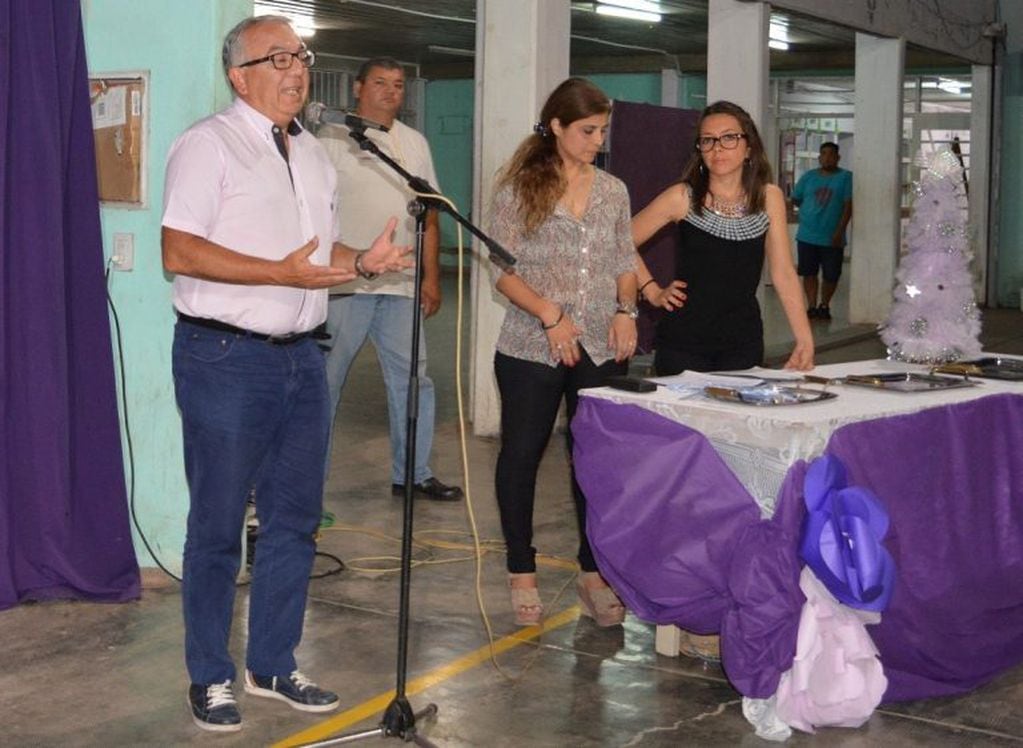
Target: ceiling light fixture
[778,35]
[645,5]
[636,10]
[456,51]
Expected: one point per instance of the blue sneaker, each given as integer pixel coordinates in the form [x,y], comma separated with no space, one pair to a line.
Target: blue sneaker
[213,707]
[295,690]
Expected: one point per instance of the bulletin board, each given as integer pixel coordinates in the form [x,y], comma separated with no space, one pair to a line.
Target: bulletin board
[119,126]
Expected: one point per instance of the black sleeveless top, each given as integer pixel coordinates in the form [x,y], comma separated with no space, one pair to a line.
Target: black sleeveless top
[721,260]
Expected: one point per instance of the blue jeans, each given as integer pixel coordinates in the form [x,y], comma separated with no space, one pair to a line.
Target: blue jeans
[385,319]
[254,415]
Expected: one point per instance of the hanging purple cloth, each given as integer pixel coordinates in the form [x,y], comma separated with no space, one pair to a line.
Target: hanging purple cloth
[649,147]
[64,530]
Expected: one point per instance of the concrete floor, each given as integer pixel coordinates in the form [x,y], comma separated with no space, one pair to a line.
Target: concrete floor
[80,674]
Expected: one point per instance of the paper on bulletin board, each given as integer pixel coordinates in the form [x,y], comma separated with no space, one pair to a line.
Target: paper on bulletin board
[118,122]
[108,108]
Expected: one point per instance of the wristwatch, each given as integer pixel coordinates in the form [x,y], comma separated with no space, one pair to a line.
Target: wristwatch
[363,273]
[629,309]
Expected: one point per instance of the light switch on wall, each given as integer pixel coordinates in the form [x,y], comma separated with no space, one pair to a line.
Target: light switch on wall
[123,257]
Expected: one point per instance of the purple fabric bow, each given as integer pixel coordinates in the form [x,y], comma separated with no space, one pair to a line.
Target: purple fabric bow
[842,534]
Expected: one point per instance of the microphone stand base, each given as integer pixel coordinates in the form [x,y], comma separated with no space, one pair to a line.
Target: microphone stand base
[398,722]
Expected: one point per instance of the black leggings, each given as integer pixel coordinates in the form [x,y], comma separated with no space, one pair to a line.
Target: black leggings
[530,397]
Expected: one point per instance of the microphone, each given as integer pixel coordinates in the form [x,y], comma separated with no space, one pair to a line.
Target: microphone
[318,114]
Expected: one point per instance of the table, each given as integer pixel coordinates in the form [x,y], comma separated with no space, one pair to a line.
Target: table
[695,508]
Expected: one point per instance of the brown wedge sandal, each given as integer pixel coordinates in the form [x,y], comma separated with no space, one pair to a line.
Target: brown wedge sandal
[599,602]
[525,599]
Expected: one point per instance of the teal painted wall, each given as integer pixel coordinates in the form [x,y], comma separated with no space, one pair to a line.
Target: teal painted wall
[178,43]
[449,119]
[693,91]
[641,88]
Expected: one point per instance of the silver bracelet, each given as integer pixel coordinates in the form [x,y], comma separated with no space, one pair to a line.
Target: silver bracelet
[363,273]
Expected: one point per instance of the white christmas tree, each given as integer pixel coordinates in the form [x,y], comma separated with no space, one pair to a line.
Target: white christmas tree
[934,318]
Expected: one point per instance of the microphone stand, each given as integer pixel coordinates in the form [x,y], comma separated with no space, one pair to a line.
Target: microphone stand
[399,721]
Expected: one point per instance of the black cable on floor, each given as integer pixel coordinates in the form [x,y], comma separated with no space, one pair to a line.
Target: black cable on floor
[127,431]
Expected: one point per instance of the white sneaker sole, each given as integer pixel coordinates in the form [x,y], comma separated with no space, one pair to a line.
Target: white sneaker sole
[209,726]
[266,693]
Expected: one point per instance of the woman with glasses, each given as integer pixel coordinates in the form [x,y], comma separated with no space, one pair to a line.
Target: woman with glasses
[571,323]
[729,216]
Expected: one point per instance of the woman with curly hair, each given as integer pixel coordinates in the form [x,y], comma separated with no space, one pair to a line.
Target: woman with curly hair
[571,322]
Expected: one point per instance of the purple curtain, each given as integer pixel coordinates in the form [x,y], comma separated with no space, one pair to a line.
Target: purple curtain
[64,530]
[649,146]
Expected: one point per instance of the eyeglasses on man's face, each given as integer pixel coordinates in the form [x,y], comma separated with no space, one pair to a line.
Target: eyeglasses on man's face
[284,60]
[728,141]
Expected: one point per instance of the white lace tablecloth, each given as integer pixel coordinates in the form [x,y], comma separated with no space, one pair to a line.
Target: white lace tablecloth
[760,443]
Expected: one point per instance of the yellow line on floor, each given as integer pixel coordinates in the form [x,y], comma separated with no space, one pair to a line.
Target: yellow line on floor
[378,704]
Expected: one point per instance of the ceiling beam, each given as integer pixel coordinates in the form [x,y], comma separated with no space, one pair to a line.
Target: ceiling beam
[954,27]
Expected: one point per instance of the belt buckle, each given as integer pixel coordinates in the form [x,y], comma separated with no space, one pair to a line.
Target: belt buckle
[288,339]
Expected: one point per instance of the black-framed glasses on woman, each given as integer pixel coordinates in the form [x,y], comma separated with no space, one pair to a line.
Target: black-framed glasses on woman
[728,141]
[283,60]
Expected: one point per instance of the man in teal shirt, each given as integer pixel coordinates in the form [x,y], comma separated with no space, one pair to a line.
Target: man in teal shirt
[824,198]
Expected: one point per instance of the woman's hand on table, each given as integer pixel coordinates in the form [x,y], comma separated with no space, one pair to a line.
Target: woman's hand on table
[621,337]
[801,357]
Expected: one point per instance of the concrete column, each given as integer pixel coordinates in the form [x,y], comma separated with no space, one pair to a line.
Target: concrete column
[876,170]
[671,82]
[521,55]
[981,109]
[737,59]
[738,66]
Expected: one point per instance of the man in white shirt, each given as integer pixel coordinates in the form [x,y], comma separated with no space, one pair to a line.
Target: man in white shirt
[248,232]
[381,309]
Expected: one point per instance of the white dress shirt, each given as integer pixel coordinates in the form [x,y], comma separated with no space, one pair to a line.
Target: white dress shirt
[227,183]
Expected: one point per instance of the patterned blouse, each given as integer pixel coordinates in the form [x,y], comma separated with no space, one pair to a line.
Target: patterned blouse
[573,262]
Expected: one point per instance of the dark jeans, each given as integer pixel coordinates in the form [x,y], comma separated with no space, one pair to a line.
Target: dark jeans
[257,415]
[530,397]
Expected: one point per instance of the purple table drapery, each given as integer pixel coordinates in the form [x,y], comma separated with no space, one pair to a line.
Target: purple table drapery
[64,528]
[951,479]
[680,538]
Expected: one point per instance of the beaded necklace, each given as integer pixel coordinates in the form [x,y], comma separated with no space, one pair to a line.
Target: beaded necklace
[734,209]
